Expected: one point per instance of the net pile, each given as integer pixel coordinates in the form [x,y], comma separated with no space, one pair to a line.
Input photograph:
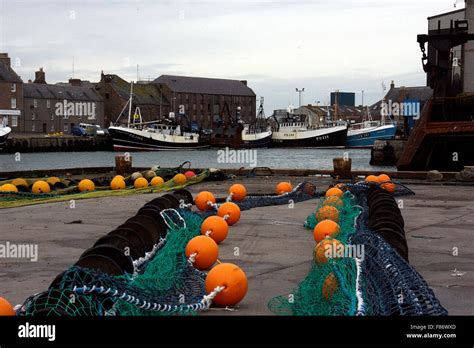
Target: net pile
[18,199]
[168,284]
[377,282]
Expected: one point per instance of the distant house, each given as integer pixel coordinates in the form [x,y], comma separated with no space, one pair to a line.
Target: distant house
[318,115]
[115,92]
[52,108]
[400,95]
[11,94]
[208,100]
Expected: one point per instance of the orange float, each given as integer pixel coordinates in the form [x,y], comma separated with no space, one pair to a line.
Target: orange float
[53,180]
[205,249]
[180,179]
[140,183]
[330,286]
[6,308]
[8,188]
[19,182]
[203,199]
[238,192]
[215,227]
[230,212]
[371,178]
[327,247]
[234,281]
[40,186]
[388,186]
[117,183]
[283,187]
[325,228]
[157,180]
[86,185]
[334,191]
[383,178]
[327,213]
[333,201]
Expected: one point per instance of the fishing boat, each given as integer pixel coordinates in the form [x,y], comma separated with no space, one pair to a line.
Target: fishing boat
[365,133]
[236,134]
[4,133]
[166,134]
[295,131]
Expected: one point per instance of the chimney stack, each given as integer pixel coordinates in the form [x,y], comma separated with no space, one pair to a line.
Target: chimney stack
[75,82]
[40,76]
[244,82]
[392,85]
[5,59]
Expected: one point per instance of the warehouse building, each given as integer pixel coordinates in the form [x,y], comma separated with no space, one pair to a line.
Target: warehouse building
[11,94]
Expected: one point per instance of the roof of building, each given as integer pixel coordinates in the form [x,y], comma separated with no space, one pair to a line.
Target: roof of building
[447,13]
[143,93]
[7,74]
[202,85]
[45,91]
[400,94]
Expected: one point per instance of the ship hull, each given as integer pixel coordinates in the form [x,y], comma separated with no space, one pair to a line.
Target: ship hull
[324,137]
[126,139]
[4,133]
[366,137]
[234,138]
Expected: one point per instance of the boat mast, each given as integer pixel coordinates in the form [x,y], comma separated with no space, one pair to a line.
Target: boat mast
[130,104]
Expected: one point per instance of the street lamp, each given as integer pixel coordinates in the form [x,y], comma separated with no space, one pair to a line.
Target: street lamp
[300,91]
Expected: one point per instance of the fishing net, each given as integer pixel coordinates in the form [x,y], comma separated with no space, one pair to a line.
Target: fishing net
[18,199]
[377,281]
[302,192]
[169,284]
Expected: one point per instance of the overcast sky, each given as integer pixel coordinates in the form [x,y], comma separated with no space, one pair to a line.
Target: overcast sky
[275,45]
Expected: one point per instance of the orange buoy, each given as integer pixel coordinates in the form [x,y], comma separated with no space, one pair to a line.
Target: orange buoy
[180,179]
[6,308]
[371,178]
[230,212]
[189,174]
[328,248]
[234,281]
[327,213]
[53,180]
[19,182]
[203,199]
[140,183]
[330,286]
[157,180]
[86,185]
[334,191]
[388,186]
[333,201]
[117,183]
[40,186]
[324,229]
[283,187]
[383,178]
[205,249]
[119,176]
[238,192]
[215,227]
[8,188]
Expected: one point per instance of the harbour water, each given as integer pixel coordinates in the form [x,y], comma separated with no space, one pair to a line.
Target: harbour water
[211,158]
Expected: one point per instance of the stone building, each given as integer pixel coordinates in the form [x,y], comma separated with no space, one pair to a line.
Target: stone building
[208,100]
[11,95]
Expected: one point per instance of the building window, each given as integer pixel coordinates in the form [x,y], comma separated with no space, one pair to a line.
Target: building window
[66,128]
[107,95]
[13,89]
[33,116]
[14,121]
[35,103]
[52,117]
[13,102]
[48,103]
[33,127]
[52,128]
